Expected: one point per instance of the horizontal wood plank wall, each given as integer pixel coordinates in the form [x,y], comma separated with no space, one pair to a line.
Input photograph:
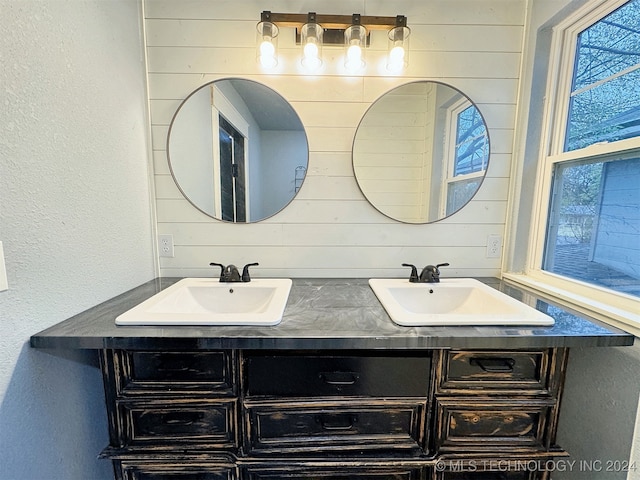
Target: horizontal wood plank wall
[330,230]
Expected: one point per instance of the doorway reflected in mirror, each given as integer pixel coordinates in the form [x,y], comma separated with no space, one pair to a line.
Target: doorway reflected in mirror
[235,148]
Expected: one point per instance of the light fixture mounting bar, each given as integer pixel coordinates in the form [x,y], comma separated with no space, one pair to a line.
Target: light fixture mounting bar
[296,20]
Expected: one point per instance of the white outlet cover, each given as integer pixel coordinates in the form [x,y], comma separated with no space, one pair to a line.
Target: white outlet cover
[4,285]
[494,246]
[165,245]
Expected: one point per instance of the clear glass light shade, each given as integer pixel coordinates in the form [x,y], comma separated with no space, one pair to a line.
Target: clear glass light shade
[267,44]
[355,38]
[311,41]
[398,56]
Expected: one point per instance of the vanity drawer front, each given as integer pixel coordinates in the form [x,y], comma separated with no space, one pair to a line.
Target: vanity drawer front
[478,371]
[499,475]
[204,371]
[317,427]
[341,472]
[164,424]
[329,375]
[481,426]
[175,470]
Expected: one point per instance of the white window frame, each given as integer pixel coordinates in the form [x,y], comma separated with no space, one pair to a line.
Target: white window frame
[618,309]
[450,153]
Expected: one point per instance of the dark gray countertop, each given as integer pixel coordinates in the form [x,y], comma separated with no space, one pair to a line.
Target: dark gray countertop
[323,314]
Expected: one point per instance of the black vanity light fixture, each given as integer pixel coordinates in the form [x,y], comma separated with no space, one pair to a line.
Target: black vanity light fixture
[351,32]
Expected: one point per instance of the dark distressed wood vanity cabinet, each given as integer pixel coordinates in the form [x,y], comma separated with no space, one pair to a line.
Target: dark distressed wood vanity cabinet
[334,415]
[336,391]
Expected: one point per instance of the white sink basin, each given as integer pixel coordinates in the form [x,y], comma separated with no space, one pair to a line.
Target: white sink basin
[206,301]
[453,301]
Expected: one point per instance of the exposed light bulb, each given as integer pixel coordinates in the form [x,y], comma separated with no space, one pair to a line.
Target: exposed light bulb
[354,57]
[311,59]
[311,50]
[396,58]
[267,48]
[268,54]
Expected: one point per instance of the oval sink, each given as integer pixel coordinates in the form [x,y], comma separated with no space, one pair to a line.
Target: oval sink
[206,301]
[453,301]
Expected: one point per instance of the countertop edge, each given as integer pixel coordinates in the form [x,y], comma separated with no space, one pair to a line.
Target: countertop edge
[94,328]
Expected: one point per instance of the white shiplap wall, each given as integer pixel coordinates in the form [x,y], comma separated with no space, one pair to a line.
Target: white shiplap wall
[330,230]
[392,152]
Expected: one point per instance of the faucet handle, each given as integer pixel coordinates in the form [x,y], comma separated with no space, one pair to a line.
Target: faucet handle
[438,268]
[213,264]
[413,278]
[245,271]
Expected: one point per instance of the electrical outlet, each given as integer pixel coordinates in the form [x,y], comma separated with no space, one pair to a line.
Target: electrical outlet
[165,245]
[494,246]
[3,272]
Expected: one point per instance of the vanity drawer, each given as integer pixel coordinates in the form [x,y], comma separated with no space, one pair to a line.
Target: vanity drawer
[318,427]
[205,371]
[341,472]
[486,372]
[175,470]
[481,426]
[499,475]
[337,375]
[161,424]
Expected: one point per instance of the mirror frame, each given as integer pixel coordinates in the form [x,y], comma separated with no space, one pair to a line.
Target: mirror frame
[297,182]
[353,153]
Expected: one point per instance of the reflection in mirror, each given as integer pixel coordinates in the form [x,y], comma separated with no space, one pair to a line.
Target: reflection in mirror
[237,150]
[420,152]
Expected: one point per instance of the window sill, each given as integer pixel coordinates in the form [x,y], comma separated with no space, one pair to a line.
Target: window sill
[623,315]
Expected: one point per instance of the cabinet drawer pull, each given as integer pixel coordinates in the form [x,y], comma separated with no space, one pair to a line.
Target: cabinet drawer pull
[172,369]
[339,378]
[179,418]
[336,422]
[494,365]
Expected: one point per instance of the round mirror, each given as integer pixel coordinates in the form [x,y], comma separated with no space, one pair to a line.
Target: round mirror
[421,152]
[237,150]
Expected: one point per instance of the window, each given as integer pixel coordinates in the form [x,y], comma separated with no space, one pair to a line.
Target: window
[470,154]
[593,230]
[605,90]
[589,196]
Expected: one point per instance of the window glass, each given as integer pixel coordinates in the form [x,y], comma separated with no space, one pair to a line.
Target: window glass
[593,232]
[459,193]
[472,143]
[605,92]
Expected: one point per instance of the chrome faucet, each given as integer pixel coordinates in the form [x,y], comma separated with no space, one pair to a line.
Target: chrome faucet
[230,273]
[429,274]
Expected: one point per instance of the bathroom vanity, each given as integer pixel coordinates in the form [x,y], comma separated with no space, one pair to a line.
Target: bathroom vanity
[336,391]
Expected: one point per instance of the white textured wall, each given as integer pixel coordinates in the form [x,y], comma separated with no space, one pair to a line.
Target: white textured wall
[634,473]
[330,229]
[75,217]
[598,420]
